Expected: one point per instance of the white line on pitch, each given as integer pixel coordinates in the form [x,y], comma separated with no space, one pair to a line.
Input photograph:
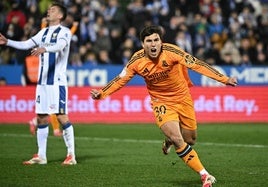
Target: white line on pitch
[141,141]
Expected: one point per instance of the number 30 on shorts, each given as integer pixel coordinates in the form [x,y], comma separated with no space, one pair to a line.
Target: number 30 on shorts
[160,110]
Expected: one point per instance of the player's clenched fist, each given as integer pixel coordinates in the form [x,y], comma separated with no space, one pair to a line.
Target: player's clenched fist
[95,94]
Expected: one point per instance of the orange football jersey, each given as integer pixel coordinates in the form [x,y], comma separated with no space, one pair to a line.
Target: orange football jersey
[167,77]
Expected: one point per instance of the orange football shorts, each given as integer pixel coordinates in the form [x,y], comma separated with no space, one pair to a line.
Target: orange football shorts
[182,111]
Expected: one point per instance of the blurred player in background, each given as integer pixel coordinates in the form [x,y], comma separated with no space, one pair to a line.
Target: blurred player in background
[163,67]
[52,45]
[53,121]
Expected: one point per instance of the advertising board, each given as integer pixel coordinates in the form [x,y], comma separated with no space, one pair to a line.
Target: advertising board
[131,104]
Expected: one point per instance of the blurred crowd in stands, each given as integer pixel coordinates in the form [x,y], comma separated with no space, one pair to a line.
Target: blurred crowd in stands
[220,32]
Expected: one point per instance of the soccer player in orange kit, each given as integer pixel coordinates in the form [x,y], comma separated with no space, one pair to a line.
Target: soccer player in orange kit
[164,69]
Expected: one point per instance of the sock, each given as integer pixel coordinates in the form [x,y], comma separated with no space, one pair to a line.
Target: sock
[190,157]
[54,122]
[202,172]
[42,134]
[68,136]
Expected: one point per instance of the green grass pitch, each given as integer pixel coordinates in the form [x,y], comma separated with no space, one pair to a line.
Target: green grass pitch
[130,156]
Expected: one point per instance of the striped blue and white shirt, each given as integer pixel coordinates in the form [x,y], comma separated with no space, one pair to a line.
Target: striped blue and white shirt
[53,63]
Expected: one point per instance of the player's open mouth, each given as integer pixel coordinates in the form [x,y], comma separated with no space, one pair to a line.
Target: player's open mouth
[153,50]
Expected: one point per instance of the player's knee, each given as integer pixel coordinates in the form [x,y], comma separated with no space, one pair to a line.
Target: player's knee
[62,118]
[42,119]
[190,141]
[189,136]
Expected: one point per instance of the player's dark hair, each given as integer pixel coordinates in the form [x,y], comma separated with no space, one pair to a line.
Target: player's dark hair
[147,31]
[62,9]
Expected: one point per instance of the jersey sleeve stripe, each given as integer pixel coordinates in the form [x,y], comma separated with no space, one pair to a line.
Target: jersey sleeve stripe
[216,72]
[173,49]
[135,58]
[110,83]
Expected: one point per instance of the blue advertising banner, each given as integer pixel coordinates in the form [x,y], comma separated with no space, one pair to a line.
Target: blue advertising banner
[99,75]
[96,75]
[12,74]
[250,76]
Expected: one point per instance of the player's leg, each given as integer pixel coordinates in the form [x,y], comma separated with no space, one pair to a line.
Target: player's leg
[166,146]
[189,137]
[172,131]
[55,125]
[68,136]
[168,120]
[187,120]
[33,125]
[41,109]
[42,134]
[68,130]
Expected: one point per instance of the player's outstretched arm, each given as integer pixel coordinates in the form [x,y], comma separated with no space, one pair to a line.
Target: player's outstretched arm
[232,81]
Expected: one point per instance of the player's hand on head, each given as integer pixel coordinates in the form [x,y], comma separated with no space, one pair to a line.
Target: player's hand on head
[95,94]
[75,23]
[232,81]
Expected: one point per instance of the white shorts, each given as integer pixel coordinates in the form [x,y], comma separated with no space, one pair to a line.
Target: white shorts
[51,99]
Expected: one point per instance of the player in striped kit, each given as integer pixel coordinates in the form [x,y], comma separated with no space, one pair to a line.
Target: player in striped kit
[52,45]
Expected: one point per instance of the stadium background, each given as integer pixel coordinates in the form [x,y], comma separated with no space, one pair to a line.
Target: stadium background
[213,102]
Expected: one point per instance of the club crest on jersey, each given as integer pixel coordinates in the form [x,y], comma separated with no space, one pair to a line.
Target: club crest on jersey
[164,63]
[54,36]
[189,59]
